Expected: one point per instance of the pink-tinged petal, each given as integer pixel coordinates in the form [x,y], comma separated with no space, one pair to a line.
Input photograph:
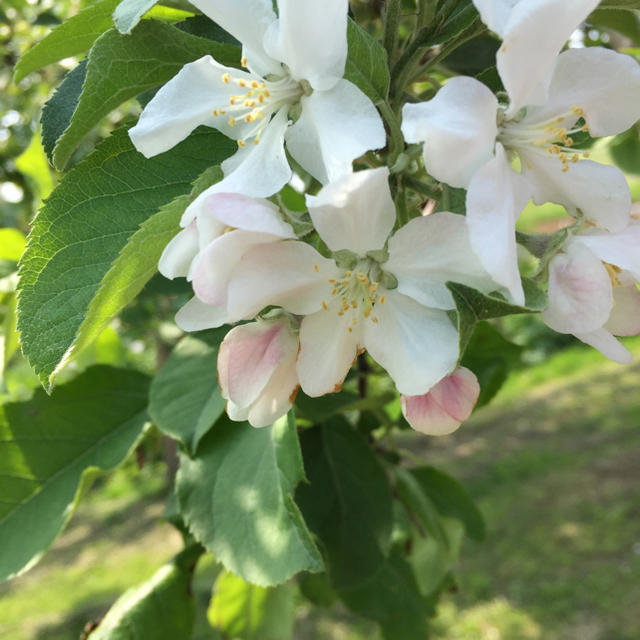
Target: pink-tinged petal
[278,395]
[247,21]
[248,357]
[335,127]
[458,128]
[416,345]
[311,39]
[603,83]
[431,250]
[621,249]
[327,350]
[496,197]
[443,409]
[250,214]
[599,191]
[178,255]
[607,345]
[625,315]
[355,212]
[209,228]
[540,26]
[580,295]
[236,413]
[289,274]
[217,263]
[196,315]
[184,103]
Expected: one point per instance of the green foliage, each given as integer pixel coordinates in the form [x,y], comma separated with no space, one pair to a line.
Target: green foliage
[32,162]
[120,67]
[367,63]
[235,496]
[72,37]
[248,612]
[625,150]
[129,12]
[160,609]
[46,444]
[84,226]
[185,399]
[347,502]
[12,243]
[463,15]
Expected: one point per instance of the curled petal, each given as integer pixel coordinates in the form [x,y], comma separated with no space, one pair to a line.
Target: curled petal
[620,249]
[625,315]
[176,259]
[458,128]
[607,345]
[334,128]
[355,212]
[443,409]
[196,316]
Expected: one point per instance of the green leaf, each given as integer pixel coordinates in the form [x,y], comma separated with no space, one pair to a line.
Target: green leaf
[136,264]
[120,67]
[625,150]
[235,497]
[247,612]
[623,22]
[463,15]
[129,12]
[12,243]
[32,162]
[83,227]
[391,597]
[451,499]
[72,37]
[367,63]
[629,5]
[319,409]
[47,443]
[347,502]
[185,398]
[161,608]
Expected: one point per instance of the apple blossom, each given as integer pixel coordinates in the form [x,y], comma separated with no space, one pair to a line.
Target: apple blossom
[445,407]
[385,295]
[257,369]
[592,289]
[294,66]
[471,142]
[210,246]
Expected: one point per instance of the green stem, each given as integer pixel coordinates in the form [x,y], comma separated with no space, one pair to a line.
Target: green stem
[391,25]
[426,12]
[475,29]
[401,203]
[433,192]
[396,140]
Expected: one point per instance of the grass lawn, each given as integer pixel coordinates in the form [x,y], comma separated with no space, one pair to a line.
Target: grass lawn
[554,463]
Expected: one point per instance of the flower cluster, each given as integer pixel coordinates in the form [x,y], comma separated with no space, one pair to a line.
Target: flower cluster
[363,280]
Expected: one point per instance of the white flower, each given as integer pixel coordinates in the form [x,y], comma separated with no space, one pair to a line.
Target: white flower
[445,407]
[471,142]
[208,249]
[592,289]
[294,60]
[393,303]
[257,370]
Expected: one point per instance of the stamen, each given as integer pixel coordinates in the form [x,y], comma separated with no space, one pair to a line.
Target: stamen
[316,267]
[244,62]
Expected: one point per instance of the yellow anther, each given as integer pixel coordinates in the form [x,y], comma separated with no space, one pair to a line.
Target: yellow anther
[374,319]
[584,127]
[266,94]
[575,157]
[332,280]
[260,99]
[256,140]
[578,111]
[569,142]
[249,103]
[226,78]
[232,121]
[348,274]
[241,83]
[334,292]
[565,168]
[215,113]
[325,306]
[244,61]
[350,330]
[383,299]
[255,84]
[586,154]
[316,267]
[340,313]
[242,143]
[232,100]
[367,313]
[362,278]
[354,304]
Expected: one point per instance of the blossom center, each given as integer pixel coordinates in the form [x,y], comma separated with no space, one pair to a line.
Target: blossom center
[552,136]
[256,101]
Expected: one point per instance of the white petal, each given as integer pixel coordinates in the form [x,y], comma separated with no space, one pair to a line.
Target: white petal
[625,315]
[283,274]
[495,13]
[209,227]
[355,212]
[184,103]
[250,214]
[248,357]
[448,404]
[327,350]
[599,191]
[605,84]
[458,128]
[431,250]
[217,262]
[580,296]
[236,413]
[335,127]
[177,256]
[621,249]
[607,345]
[247,21]
[278,395]
[310,37]
[543,27]
[196,315]
[416,345]
[496,197]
